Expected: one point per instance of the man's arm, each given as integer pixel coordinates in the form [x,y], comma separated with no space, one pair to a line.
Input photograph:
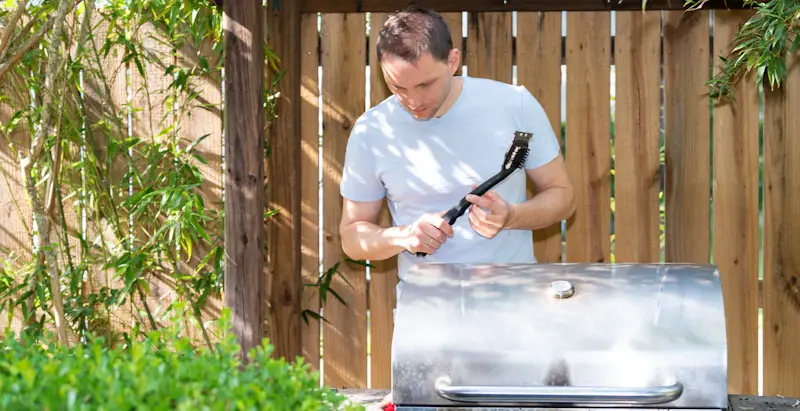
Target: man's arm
[362,237]
[554,200]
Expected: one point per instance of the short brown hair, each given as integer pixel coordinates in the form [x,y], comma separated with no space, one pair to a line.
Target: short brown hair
[410,33]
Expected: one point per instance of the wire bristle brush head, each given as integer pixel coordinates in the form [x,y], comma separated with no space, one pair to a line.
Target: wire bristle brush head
[518,152]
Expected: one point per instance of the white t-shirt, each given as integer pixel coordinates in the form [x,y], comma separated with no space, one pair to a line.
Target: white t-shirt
[428,166]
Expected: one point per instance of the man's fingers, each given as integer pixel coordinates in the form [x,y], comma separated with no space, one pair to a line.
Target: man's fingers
[433,233]
[479,212]
[473,219]
[430,245]
[441,225]
[482,201]
[477,200]
[482,215]
[477,225]
[489,201]
[426,244]
[492,195]
[485,227]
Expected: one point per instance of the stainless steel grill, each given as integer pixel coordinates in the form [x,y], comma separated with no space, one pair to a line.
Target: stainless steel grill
[532,336]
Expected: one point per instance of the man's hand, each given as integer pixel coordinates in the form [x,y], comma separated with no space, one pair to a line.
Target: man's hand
[427,234]
[364,239]
[488,223]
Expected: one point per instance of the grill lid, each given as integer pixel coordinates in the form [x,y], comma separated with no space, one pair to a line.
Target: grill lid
[560,334]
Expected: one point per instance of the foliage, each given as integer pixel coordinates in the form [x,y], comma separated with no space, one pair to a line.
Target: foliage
[129,222]
[762,43]
[124,177]
[162,371]
[123,164]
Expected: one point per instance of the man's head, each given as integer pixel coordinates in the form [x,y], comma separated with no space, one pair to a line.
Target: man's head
[416,54]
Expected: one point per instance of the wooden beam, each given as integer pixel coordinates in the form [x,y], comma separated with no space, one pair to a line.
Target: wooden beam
[442,6]
[243,23]
[285,183]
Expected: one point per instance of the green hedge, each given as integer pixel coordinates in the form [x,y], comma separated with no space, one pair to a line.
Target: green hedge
[159,372]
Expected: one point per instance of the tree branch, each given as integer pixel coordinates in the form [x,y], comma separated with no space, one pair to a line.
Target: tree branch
[41,234]
[17,55]
[12,25]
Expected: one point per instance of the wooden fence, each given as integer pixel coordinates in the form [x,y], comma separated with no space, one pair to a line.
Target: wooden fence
[657,186]
[727,196]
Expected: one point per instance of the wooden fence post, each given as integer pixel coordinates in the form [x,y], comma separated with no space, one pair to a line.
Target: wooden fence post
[283,274]
[243,23]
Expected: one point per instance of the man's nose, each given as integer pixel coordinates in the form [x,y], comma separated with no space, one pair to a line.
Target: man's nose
[414,101]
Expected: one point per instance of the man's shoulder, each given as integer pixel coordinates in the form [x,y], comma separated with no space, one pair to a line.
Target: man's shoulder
[495,88]
[376,121]
[385,110]
[485,92]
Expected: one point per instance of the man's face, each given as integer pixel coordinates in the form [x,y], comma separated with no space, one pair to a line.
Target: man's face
[423,86]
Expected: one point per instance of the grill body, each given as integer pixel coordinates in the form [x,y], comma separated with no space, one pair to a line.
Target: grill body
[560,336]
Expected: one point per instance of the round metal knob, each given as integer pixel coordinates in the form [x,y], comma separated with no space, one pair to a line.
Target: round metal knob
[561,289]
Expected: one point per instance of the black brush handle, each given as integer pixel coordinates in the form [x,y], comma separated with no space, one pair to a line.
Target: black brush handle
[459,209]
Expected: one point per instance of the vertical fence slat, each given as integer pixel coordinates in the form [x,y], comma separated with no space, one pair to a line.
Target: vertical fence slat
[15,243]
[383,274]
[65,230]
[15,238]
[636,129]
[150,89]
[245,282]
[202,118]
[105,99]
[588,152]
[539,69]
[782,235]
[284,162]
[489,47]
[455,23]
[309,191]
[343,85]
[688,143]
[153,122]
[735,165]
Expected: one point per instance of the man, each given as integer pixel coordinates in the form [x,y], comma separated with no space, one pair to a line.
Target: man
[430,143]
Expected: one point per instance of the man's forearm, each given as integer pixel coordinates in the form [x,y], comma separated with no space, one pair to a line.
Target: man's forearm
[544,209]
[367,241]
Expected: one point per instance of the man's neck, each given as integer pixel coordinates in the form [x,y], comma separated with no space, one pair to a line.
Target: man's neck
[455,92]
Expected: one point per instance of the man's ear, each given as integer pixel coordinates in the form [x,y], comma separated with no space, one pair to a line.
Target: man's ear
[454,60]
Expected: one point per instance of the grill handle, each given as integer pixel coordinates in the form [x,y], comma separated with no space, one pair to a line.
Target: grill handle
[559,394]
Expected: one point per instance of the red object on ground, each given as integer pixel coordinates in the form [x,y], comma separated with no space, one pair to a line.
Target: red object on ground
[389,407]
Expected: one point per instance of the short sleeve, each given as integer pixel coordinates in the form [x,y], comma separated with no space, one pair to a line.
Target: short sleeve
[360,181]
[544,146]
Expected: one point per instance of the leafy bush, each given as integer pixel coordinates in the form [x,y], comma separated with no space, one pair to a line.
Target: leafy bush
[161,371]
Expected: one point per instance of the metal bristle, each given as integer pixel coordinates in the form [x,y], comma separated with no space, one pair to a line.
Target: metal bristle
[520,142]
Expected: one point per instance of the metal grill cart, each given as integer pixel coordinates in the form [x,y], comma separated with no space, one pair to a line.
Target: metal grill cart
[504,337]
